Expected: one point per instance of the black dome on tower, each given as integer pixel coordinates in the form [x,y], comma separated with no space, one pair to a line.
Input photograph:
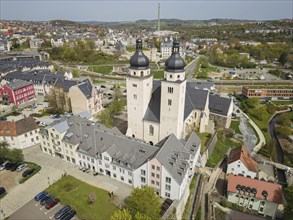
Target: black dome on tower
[175,63]
[138,59]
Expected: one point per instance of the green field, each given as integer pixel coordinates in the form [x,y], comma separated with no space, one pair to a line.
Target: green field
[75,193]
[158,74]
[235,126]
[204,137]
[102,69]
[220,150]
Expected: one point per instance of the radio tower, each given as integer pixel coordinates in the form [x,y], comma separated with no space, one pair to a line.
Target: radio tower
[158,16]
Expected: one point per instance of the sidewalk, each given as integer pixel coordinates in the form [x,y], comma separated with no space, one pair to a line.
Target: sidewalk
[52,170]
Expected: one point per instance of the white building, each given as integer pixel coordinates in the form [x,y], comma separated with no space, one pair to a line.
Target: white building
[57,42]
[168,166]
[35,43]
[20,134]
[167,49]
[241,163]
[157,109]
[253,194]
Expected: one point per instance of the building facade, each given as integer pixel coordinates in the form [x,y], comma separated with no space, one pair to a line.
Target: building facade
[20,134]
[172,105]
[168,166]
[241,163]
[268,93]
[17,92]
[261,196]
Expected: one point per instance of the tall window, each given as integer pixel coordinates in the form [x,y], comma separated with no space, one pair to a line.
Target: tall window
[170,89]
[151,130]
[169,102]
[135,96]
[168,180]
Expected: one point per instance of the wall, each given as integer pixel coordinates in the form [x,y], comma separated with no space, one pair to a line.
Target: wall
[238,167]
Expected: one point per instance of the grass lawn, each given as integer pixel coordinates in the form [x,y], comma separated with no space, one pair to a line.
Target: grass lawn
[204,137]
[282,102]
[235,126]
[75,193]
[263,125]
[99,81]
[102,69]
[220,150]
[133,48]
[158,74]
[208,69]
[189,200]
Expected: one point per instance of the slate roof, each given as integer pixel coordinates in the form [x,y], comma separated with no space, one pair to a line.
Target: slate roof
[219,105]
[17,84]
[36,76]
[65,84]
[86,88]
[193,143]
[174,157]
[16,128]
[194,99]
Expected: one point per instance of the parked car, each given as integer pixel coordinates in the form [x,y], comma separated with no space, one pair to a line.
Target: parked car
[2,166]
[69,215]
[52,203]
[2,191]
[3,119]
[47,199]
[41,195]
[62,211]
[21,167]
[14,167]
[9,165]
[28,172]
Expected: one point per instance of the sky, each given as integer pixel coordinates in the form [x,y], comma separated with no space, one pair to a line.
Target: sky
[122,10]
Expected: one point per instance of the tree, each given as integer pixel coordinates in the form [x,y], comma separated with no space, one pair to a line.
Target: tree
[252,102]
[140,216]
[284,120]
[123,214]
[105,118]
[288,211]
[4,151]
[16,155]
[117,95]
[144,201]
[283,58]
[283,131]
[92,198]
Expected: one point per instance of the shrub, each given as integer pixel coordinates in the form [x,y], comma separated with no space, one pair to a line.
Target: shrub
[30,165]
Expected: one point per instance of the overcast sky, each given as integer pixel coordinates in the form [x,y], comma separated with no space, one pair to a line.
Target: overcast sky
[96,10]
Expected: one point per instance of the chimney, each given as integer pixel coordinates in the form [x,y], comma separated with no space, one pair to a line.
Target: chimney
[158,16]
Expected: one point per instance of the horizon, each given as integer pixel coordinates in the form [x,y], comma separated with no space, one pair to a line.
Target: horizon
[129,11]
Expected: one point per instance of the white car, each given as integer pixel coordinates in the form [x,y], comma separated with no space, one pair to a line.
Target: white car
[2,166]
[21,167]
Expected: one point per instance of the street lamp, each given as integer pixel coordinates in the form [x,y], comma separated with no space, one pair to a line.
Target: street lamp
[48,180]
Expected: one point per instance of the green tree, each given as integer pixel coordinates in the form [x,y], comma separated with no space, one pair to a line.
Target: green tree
[144,201]
[283,131]
[16,155]
[283,58]
[284,120]
[252,102]
[4,151]
[288,211]
[105,118]
[123,214]
[140,216]
[117,95]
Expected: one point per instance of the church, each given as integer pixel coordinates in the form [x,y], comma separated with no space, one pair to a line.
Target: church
[158,108]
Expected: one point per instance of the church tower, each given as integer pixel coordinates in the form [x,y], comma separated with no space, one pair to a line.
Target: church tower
[139,84]
[173,89]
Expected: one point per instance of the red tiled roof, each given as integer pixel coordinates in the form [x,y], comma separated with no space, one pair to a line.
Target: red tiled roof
[16,128]
[274,190]
[241,153]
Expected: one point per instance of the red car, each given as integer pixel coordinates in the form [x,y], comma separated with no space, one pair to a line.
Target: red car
[52,203]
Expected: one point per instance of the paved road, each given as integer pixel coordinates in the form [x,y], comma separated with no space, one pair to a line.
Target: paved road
[189,69]
[52,170]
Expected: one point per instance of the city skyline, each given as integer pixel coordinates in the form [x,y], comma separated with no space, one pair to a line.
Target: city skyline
[110,11]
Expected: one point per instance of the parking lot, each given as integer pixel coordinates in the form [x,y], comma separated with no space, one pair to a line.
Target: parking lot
[33,210]
[9,179]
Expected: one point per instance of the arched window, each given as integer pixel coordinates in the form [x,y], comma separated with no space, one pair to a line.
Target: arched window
[151,143]
[141,73]
[151,130]
[134,73]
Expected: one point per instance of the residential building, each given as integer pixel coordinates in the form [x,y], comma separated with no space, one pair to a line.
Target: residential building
[276,92]
[20,134]
[43,80]
[158,108]
[17,92]
[35,43]
[4,46]
[257,195]
[241,163]
[167,49]
[57,42]
[168,166]
[84,97]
